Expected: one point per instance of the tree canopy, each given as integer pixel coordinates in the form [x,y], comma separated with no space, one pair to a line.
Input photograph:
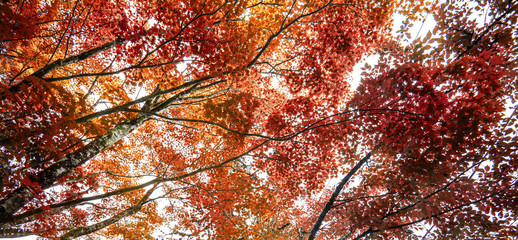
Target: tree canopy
[236,119]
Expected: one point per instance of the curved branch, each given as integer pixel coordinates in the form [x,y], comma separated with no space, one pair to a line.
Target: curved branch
[270,39]
[81,231]
[441,213]
[486,31]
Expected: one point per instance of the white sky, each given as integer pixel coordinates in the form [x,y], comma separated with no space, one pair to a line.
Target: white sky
[418,30]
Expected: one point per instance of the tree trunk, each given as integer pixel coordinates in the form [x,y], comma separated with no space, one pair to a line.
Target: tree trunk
[337,191]
[16,200]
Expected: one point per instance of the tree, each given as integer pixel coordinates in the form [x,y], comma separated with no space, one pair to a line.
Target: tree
[215,119]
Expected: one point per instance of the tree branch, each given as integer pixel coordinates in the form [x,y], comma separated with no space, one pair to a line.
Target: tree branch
[76,58]
[81,231]
[337,191]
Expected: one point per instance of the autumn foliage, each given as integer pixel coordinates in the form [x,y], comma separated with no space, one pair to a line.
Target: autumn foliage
[237,119]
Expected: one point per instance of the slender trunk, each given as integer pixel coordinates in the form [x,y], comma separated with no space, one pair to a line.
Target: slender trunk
[337,191]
